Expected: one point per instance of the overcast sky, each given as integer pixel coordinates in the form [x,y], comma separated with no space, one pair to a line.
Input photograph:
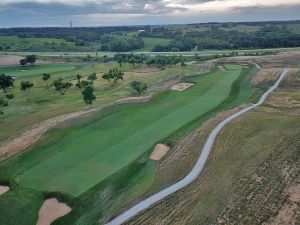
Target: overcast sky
[17,13]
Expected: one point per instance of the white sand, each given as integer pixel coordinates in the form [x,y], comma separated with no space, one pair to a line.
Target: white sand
[3,189]
[52,210]
[159,151]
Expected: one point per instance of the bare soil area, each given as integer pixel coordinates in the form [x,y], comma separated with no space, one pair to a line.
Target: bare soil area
[181,86]
[134,100]
[159,151]
[3,189]
[52,210]
[27,138]
[9,60]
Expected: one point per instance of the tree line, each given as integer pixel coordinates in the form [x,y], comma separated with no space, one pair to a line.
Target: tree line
[215,38]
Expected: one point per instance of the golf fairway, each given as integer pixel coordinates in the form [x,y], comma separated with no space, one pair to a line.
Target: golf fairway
[115,137]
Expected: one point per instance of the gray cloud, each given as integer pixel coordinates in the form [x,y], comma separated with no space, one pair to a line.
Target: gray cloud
[120,12]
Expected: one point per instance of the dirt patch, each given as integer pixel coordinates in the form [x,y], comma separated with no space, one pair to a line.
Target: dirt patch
[181,86]
[294,192]
[134,100]
[159,151]
[286,216]
[290,210]
[3,189]
[9,60]
[27,138]
[52,210]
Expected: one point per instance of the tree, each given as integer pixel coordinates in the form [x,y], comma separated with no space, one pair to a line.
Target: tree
[3,103]
[78,77]
[26,86]
[31,59]
[61,86]
[88,95]
[23,62]
[6,82]
[113,76]
[82,84]
[92,77]
[138,86]
[46,77]
[108,76]
[9,97]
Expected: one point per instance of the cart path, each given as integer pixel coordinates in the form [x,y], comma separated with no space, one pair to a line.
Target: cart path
[197,169]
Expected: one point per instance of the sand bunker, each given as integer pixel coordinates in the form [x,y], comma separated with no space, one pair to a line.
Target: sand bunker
[159,151]
[134,100]
[52,210]
[222,68]
[3,189]
[181,86]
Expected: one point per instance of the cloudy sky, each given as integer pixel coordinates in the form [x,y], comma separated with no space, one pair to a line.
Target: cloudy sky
[17,13]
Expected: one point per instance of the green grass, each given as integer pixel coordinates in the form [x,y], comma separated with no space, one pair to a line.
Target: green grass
[16,44]
[31,71]
[151,42]
[103,200]
[43,104]
[113,139]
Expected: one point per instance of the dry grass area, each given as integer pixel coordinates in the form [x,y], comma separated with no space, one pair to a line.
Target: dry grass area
[266,76]
[252,176]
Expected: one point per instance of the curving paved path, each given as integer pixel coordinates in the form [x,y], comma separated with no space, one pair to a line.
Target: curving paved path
[197,169]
